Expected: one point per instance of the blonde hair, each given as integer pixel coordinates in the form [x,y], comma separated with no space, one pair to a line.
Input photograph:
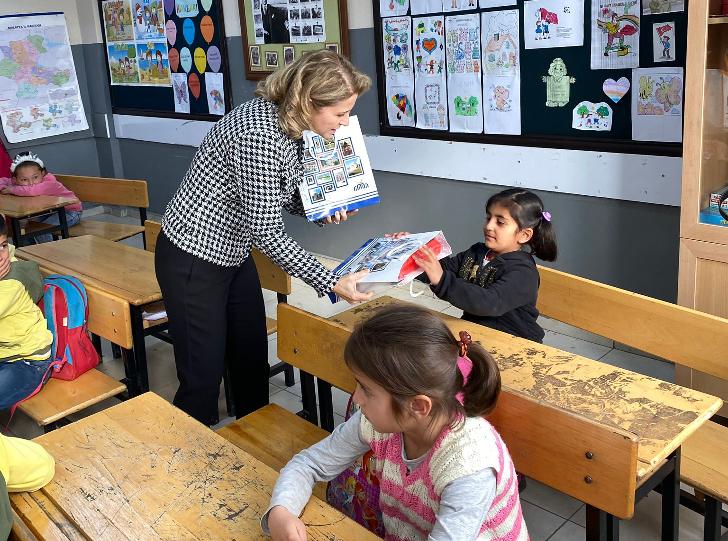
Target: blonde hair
[316,80]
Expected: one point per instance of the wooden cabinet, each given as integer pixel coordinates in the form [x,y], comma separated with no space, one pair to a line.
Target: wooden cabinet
[703,278]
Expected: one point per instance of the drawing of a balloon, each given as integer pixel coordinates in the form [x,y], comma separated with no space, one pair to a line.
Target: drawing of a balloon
[185,58]
[171,30]
[207,28]
[194,85]
[173,56]
[200,59]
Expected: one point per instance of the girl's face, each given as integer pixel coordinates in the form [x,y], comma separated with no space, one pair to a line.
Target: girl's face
[501,231]
[375,404]
[28,175]
[326,120]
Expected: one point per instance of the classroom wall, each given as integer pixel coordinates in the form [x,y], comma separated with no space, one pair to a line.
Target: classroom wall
[629,244]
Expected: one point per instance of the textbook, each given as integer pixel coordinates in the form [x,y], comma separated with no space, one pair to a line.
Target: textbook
[389,260]
[337,173]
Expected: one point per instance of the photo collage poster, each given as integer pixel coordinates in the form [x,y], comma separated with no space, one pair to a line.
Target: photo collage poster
[289,21]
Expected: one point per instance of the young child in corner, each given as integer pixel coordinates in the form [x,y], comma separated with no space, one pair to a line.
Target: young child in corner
[25,341]
[29,177]
[496,282]
[444,471]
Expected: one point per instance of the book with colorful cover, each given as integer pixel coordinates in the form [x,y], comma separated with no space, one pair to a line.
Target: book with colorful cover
[337,174]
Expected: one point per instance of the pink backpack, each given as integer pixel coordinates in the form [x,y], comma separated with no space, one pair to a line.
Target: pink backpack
[65,306]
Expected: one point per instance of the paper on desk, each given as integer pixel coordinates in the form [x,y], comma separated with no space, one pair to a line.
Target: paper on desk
[154,316]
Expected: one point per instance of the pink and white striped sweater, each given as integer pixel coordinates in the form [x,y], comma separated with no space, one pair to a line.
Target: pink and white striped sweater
[410,501]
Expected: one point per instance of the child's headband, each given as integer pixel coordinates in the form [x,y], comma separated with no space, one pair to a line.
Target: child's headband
[25,158]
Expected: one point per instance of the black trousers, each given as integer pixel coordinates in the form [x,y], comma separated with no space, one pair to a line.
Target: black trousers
[216,318]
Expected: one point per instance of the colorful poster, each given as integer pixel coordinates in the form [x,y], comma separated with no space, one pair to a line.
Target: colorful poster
[39,94]
[149,20]
[117,20]
[418,7]
[464,92]
[153,63]
[459,5]
[501,72]
[663,41]
[430,77]
[183,8]
[389,8]
[398,72]
[290,21]
[588,116]
[615,34]
[215,93]
[657,104]
[496,3]
[653,7]
[181,93]
[553,23]
[123,63]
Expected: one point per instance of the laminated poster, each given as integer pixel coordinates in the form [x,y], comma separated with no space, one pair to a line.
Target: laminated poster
[215,93]
[181,93]
[430,77]
[463,54]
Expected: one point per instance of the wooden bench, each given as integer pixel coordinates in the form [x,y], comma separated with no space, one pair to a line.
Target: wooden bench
[109,191]
[272,278]
[680,335]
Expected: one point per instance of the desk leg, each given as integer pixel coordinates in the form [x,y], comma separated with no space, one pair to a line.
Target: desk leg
[671,500]
[17,235]
[308,396]
[63,222]
[140,349]
[326,406]
[600,525]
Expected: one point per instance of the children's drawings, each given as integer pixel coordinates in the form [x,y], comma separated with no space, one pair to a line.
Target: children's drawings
[430,76]
[148,20]
[397,36]
[459,5]
[652,7]
[496,3]
[418,7]
[663,38]
[615,34]
[123,63]
[153,63]
[657,104]
[117,20]
[616,90]
[558,84]
[588,116]
[553,23]
[501,72]
[388,8]
[181,94]
[215,93]
[463,53]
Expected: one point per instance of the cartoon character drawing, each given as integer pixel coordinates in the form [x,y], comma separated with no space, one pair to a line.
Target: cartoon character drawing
[544,18]
[501,98]
[668,93]
[647,86]
[466,106]
[160,64]
[558,84]
[665,40]
[617,27]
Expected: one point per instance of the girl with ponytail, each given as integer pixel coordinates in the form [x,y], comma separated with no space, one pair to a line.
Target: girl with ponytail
[443,471]
[496,282]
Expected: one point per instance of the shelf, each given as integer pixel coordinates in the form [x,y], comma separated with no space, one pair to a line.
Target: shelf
[718,19]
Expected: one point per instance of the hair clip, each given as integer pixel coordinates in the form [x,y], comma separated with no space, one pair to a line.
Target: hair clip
[464,342]
[546,215]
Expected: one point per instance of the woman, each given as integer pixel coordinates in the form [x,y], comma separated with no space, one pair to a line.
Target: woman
[245,172]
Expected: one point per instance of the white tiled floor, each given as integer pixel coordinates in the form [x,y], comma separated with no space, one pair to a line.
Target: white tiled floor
[550,515]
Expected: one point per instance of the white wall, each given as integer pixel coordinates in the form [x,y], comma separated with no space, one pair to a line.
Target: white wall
[69,7]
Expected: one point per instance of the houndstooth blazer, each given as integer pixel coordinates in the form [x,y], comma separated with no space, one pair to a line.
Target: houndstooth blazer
[245,171]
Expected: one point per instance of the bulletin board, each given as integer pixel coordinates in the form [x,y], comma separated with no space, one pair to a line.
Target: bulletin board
[551,126]
[277,32]
[166,58]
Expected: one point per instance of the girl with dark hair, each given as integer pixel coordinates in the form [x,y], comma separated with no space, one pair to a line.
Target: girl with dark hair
[496,282]
[443,470]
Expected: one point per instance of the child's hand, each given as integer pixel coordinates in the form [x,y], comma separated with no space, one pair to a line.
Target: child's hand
[397,235]
[285,526]
[5,190]
[4,263]
[427,261]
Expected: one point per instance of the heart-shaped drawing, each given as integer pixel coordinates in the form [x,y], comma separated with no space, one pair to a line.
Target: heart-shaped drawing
[615,90]
[429,44]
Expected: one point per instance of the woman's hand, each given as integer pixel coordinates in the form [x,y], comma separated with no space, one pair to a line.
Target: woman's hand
[339,216]
[285,526]
[427,261]
[397,235]
[346,288]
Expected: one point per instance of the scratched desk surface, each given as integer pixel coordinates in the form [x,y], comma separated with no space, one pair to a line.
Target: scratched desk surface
[661,414]
[143,470]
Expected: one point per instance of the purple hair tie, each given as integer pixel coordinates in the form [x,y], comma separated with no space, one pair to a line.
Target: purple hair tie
[546,215]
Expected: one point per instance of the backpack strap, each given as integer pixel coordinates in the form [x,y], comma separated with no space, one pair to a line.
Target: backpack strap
[43,381]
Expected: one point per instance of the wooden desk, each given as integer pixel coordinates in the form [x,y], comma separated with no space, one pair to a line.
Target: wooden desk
[144,470]
[16,208]
[120,281]
[662,415]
